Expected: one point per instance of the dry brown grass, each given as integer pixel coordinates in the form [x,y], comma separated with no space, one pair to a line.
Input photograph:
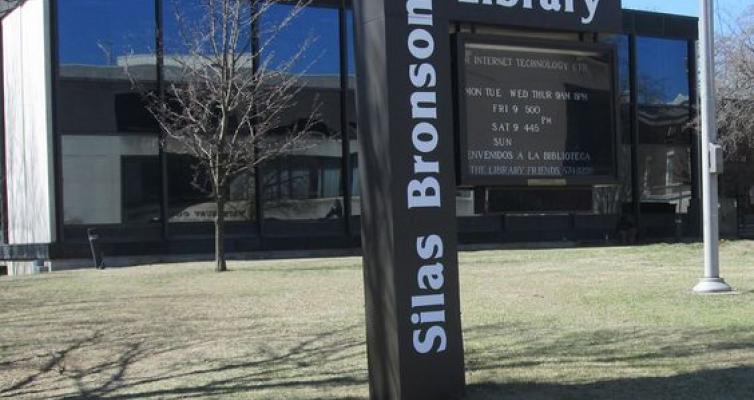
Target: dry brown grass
[549,324]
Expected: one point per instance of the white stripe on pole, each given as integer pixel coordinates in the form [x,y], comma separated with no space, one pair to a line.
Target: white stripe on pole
[712,282]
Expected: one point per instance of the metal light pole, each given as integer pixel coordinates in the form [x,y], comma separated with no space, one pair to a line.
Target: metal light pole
[712,156]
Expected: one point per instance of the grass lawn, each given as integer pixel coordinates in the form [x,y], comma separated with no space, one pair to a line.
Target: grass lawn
[580,324]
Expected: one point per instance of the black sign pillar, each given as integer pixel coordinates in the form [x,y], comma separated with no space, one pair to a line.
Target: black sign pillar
[407,168]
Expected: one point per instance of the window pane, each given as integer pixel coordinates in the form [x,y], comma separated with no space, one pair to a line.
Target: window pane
[353,117]
[666,176]
[190,198]
[623,195]
[662,71]
[307,185]
[317,25]
[664,125]
[190,193]
[111,179]
[98,40]
[110,174]
[189,190]
[101,32]
[179,17]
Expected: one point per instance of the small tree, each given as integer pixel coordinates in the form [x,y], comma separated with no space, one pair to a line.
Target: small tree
[735,86]
[226,105]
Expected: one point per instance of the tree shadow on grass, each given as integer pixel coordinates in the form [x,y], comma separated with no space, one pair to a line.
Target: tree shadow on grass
[624,347]
[722,384]
[304,365]
[56,362]
[331,365]
[645,358]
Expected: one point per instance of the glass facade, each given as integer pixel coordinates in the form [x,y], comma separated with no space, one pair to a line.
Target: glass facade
[107,56]
[117,172]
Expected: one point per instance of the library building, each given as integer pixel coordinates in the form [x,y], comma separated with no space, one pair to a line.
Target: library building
[575,129]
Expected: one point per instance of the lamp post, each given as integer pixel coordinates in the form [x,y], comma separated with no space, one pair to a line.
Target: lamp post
[712,156]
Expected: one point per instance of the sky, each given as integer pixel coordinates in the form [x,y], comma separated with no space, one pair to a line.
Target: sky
[689,7]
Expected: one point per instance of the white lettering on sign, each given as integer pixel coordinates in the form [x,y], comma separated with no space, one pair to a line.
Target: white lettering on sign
[428,303]
[429,307]
[561,6]
[424,190]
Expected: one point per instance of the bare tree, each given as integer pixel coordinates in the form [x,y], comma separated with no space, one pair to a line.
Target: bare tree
[227,102]
[735,86]
[7,6]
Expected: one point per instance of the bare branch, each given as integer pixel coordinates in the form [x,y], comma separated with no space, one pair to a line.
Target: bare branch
[227,103]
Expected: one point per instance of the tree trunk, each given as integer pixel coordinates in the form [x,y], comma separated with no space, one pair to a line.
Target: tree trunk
[220,265]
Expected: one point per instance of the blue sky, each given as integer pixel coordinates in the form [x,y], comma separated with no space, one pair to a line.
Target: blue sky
[688,7]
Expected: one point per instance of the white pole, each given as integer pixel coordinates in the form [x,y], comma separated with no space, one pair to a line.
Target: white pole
[711,156]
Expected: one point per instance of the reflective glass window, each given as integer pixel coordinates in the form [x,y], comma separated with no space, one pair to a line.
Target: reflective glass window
[318,26]
[307,184]
[103,46]
[110,145]
[110,179]
[664,125]
[190,198]
[611,199]
[352,128]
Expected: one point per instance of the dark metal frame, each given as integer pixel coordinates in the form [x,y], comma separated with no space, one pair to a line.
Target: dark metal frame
[634,124]
[3,170]
[57,138]
[695,223]
[160,53]
[345,139]
[668,26]
[258,194]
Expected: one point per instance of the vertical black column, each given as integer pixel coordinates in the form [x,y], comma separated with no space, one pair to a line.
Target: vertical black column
[695,214]
[409,231]
[634,107]
[344,132]
[160,54]
[57,136]
[258,170]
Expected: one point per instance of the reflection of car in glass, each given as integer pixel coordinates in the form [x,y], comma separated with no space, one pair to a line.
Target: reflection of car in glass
[235,211]
[306,184]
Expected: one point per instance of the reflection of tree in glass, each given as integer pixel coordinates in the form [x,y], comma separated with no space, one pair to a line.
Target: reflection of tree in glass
[662,70]
[653,90]
[107,51]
